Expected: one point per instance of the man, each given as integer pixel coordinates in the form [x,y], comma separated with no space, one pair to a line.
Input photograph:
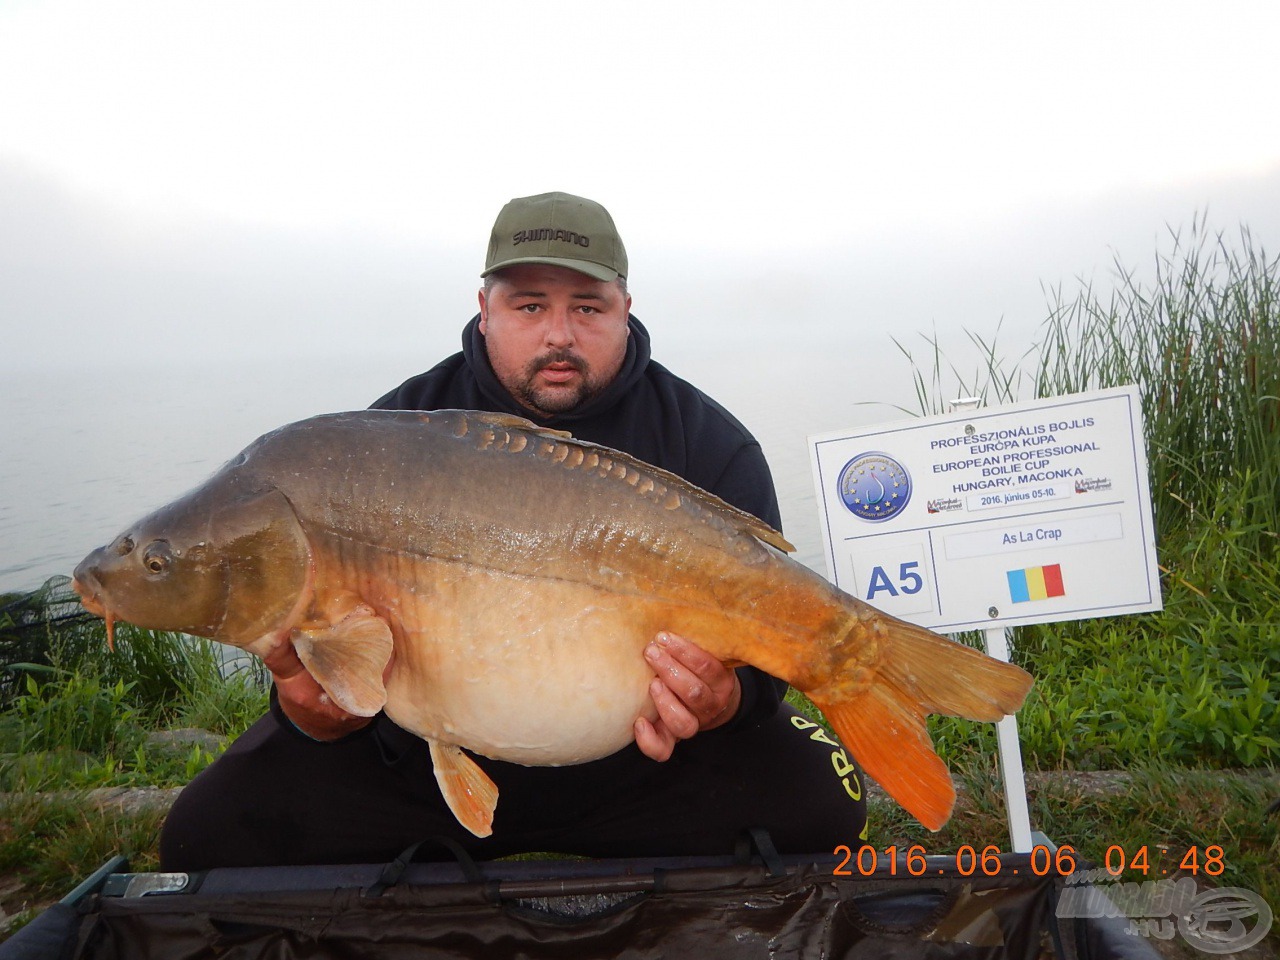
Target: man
[554,342]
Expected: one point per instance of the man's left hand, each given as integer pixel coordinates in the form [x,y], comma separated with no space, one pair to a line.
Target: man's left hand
[692,690]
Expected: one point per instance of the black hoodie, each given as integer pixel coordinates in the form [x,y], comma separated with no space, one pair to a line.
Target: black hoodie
[647,412]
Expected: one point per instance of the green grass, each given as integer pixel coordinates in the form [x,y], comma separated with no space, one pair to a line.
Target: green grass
[1168,809]
[1199,682]
[52,844]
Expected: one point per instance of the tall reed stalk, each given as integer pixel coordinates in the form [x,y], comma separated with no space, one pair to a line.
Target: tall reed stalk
[1202,342]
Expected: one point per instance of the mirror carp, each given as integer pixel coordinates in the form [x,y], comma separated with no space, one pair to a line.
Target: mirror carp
[510,577]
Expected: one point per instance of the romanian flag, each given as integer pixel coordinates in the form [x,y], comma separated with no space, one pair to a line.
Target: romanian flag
[1035,583]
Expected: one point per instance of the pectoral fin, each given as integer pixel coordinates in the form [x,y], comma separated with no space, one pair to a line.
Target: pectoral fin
[470,794]
[347,659]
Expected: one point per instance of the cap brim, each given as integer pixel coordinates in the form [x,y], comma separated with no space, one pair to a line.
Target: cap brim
[597,271]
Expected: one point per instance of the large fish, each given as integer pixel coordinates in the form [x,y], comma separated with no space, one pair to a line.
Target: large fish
[512,576]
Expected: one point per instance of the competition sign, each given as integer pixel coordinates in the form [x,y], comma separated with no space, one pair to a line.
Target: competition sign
[1031,513]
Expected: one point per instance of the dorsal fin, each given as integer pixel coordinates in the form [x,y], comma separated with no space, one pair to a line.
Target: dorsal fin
[728,512]
[509,421]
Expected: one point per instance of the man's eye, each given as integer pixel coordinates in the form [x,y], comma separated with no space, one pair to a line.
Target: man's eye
[588,310]
[530,307]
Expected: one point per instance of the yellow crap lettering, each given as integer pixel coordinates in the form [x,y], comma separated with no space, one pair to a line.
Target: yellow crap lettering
[819,735]
[854,790]
[846,772]
[840,760]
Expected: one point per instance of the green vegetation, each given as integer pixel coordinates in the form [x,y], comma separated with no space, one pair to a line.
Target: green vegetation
[75,717]
[52,843]
[1181,696]
[1183,700]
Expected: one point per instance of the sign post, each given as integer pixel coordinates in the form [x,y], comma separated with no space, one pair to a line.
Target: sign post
[1010,748]
[989,519]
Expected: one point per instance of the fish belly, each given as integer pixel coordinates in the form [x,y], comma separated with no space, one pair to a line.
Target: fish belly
[539,672]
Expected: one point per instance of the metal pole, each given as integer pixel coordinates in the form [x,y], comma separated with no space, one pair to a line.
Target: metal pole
[1015,785]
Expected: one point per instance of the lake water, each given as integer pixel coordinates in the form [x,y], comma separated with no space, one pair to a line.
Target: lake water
[85,452]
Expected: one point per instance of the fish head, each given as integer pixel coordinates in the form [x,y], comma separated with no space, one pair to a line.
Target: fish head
[221,563]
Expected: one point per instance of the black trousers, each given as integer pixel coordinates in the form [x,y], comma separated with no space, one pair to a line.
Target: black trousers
[276,797]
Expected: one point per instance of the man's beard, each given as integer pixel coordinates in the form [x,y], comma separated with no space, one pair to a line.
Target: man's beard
[550,400]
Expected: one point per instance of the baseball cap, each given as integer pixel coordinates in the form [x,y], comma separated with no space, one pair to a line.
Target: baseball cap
[558,229]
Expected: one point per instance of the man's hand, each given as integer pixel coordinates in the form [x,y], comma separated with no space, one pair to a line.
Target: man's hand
[304,700]
[693,691]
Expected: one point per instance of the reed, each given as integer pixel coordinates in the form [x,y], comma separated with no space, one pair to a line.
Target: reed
[1199,334]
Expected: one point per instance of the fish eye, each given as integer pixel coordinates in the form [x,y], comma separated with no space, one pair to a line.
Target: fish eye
[157,557]
[124,546]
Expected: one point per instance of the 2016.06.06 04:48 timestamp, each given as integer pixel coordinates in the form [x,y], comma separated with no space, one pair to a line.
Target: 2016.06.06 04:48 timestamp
[1043,862]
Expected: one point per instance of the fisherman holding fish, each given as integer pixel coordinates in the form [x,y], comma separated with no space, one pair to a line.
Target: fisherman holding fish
[716,752]
[460,601]
[470,602]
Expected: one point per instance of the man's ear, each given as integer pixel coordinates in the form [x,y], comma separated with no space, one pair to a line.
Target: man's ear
[484,311]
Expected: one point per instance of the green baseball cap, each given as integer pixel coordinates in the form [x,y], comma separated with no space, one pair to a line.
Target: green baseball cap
[558,229]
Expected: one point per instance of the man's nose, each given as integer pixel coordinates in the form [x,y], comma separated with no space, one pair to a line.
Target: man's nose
[559,327]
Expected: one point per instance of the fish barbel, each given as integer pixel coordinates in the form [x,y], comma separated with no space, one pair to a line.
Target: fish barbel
[511,577]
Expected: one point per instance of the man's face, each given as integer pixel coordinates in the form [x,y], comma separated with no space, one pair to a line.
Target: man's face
[555,337]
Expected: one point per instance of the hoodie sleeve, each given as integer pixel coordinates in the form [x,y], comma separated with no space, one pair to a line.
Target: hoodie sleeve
[747,484]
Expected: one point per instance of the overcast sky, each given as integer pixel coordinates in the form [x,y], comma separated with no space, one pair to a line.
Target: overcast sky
[242,179]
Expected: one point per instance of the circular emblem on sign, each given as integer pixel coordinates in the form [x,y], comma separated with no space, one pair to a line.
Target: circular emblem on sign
[874,486]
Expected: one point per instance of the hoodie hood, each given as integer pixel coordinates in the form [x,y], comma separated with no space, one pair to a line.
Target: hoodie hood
[633,368]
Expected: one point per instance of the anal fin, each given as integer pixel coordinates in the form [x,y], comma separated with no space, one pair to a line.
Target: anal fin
[470,794]
[347,658]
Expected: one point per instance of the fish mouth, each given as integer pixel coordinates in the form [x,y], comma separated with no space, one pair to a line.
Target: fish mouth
[90,593]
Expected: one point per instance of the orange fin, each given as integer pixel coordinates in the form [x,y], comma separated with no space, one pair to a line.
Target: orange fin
[347,659]
[891,743]
[470,794]
[914,673]
[943,676]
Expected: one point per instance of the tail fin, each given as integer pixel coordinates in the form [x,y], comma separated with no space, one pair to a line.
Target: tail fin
[883,725]
[892,745]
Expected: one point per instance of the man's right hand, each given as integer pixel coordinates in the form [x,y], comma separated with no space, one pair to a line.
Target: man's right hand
[304,701]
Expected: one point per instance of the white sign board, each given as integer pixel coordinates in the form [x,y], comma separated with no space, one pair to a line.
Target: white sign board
[1032,513]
